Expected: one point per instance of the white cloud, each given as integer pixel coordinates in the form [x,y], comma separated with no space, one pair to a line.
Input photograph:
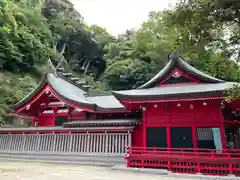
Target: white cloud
[118,15]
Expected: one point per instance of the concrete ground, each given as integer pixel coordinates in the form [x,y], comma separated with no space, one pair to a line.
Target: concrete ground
[14,170]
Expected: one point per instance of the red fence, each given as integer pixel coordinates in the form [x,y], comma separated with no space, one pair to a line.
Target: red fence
[204,161]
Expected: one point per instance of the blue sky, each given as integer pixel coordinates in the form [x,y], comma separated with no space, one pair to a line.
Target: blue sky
[119,15]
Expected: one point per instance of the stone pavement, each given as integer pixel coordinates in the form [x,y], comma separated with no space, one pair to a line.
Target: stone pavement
[16,170]
[43,171]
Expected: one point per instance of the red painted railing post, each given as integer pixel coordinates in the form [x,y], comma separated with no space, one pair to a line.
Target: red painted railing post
[230,168]
[198,163]
[198,167]
[212,155]
[230,165]
[142,163]
[168,161]
[142,151]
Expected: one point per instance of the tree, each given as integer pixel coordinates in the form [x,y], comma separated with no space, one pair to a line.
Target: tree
[216,25]
[24,37]
[32,31]
[84,45]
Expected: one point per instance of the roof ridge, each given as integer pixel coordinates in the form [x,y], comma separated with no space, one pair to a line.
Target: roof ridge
[173,56]
[176,93]
[201,72]
[175,60]
[73,81]
[60,72]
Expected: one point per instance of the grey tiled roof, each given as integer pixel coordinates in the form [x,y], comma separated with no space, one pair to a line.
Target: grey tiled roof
[106,102]
[177,91]
[68,90]
[176,61]
[74,94]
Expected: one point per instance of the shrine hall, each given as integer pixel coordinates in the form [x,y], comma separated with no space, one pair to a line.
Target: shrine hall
[179,120]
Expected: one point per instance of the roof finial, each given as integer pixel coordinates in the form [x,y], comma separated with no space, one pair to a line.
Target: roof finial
[62,59]
[54,69]
[173,56]
[51,67]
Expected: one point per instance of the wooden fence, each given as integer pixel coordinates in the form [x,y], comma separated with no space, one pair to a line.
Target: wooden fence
[100,143]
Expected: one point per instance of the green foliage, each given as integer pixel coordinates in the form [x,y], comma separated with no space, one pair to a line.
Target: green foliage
[204,32]
[233,93]
[213,23]
[214,28]
[137,55]
[13,88]
[25,38]
[32,31]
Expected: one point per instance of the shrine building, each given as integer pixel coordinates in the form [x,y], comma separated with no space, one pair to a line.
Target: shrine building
[178,120]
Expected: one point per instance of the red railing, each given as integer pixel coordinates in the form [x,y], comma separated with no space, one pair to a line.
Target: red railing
[186,160]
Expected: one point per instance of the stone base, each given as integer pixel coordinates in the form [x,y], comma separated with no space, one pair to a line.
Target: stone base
[167,173]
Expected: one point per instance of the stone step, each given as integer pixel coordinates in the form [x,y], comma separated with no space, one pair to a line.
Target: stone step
[107,160]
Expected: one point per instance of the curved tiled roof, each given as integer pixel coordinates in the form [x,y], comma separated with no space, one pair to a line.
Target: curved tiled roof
[68,91]
[183,91]
[176,61]
[208,85]
[106,102]
[33,93]
[72,93]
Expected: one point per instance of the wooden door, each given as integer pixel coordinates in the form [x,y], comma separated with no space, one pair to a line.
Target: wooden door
[156,137]
[181,137]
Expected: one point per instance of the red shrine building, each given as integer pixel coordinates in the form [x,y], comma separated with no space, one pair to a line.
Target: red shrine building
[178,120]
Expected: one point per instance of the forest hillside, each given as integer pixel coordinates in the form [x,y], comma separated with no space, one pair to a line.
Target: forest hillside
[204,32]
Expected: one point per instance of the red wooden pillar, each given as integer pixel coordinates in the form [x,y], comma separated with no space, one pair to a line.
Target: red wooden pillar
[144,111]
[194,126]
[168,137]
[169,140]
[168,127]
[53,120]
[55,109]
[194,136]
[222,128]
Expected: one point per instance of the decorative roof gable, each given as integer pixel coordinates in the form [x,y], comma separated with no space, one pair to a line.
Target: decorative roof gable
[71,94]
[70,90]
[179,71]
